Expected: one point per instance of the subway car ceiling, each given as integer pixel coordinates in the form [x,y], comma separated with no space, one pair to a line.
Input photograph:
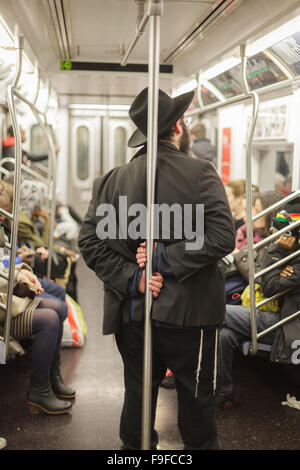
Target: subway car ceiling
[78,47]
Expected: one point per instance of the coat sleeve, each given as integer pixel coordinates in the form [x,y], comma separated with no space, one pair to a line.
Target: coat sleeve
[109,265]
[219,235]
[272,283]
[5,271]
[26,232]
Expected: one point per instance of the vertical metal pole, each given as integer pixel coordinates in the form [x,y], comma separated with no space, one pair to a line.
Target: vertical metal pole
[16,196]
[51,179]
[152,138]
[249,202]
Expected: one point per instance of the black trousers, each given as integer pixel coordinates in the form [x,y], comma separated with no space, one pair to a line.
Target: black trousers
[178,349]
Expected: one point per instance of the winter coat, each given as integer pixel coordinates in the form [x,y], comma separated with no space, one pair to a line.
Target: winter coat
[195,294]
[272,283]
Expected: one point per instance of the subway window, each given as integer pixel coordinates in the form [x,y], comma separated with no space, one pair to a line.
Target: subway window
[120,145]
[38,141]
[83,152]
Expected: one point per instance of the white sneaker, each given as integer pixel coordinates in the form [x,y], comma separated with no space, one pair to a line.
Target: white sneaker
[2,443]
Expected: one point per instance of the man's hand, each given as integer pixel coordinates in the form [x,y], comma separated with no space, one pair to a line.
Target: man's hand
[287,271]
[288,243]
[141,254]
[25,276]
[155,283]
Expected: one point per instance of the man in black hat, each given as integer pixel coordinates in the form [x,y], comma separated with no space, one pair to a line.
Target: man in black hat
[188,289]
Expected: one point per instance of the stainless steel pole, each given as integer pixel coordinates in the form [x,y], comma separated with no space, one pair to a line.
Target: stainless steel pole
[152,138]
[249,201]
[16,190]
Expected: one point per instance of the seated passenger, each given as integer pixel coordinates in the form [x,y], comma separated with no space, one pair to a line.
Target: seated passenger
[235,266]
[35,258]
[237,326]
[261,228]
[42,318]
[9,150]
[236,191]
[31,199]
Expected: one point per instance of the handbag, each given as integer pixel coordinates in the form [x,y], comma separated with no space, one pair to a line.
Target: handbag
[270,306]
[19,305]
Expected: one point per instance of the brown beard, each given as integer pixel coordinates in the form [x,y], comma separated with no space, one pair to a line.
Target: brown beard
[185,139]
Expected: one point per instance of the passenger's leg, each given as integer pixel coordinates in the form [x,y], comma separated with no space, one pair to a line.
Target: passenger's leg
[187,354]
[238,329]
[40,396]
[54,289]
[59,387]
[130,344]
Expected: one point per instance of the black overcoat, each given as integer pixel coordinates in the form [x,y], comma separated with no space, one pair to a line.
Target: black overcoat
[195,295]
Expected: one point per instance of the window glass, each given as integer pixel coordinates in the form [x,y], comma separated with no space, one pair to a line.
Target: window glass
[120,146]
[207,96]
[289,51]
[38,141]
[83,152]
[229,82]
[261,71]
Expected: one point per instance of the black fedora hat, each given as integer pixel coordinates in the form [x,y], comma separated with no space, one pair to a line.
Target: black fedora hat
[169,111]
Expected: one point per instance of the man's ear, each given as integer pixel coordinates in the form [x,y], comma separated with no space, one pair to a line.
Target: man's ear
[177,128]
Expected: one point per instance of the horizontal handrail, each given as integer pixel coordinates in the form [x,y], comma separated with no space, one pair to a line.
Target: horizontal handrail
[270,299]
[7,214]
[278,324]
[24,168]
[277,264]
[5,276]
[277,234]
[278,204]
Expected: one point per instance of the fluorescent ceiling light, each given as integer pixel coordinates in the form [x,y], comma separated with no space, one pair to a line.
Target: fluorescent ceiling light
[185,88]
[284,31]
[110,107]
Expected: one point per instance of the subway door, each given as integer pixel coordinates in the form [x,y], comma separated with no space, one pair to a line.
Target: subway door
[116,132]
[85,160]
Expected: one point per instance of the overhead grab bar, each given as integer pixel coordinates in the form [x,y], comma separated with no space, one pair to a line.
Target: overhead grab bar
[37,90]
[255,99]
[155,8]
[199,94]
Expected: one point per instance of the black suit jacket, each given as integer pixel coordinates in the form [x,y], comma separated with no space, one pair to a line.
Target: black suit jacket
[195,294]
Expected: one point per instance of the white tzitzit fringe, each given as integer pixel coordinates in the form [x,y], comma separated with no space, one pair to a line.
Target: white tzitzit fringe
[199,363]
[216,361]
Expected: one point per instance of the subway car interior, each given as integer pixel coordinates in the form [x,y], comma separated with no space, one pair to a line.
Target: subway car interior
[65,93]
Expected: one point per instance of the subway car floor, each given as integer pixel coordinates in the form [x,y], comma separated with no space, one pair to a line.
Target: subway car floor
[259,421]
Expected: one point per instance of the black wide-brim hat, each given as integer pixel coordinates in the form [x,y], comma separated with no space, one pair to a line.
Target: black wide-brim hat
[169,111]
